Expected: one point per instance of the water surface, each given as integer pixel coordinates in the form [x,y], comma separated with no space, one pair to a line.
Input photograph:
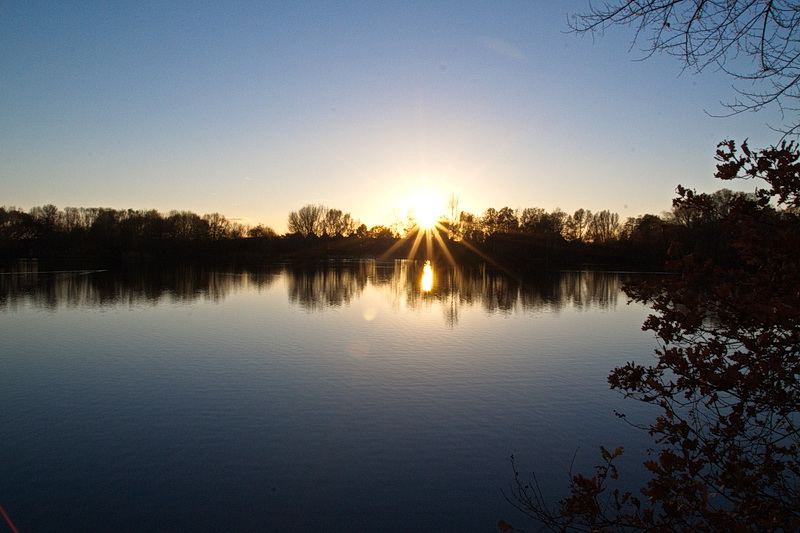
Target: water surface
[340,397]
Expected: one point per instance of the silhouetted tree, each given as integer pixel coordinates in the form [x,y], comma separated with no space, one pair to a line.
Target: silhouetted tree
[506,221]
[503,220]
[338,223]
[308,220]
[218,226]
[187,226]
[47,217]
[87,216]
[604,227]
[538,222]
[577,225]
[261,231]
[453,217]
[380,232]
[715,207]
[556,222]
[349,225]
[141,228]
[471,228]
[237,230]
[644,229]
[16,225]
[105,225]
[362,231]
[489,221]
[530,219]
[73,219]
[726,379]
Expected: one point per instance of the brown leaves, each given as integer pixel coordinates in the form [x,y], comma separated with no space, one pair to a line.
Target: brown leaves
[777,165]
[726,376]
[729,328]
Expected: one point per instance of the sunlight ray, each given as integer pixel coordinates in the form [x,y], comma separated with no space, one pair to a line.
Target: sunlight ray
[415,246]
[441,242]
[395,246]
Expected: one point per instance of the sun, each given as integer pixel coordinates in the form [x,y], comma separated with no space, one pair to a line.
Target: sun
[426,209]
[425,231]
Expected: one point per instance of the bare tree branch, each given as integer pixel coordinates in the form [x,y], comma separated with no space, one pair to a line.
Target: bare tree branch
[756,42]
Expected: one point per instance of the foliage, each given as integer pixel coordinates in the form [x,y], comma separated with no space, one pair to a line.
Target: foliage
[726,374]
[319,220]
[308,220]
[261,231]
[754,41]
[530,237]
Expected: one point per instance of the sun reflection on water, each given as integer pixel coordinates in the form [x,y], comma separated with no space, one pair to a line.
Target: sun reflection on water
[427,277]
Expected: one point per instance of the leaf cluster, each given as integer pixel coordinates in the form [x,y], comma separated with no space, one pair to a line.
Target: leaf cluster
[726,374]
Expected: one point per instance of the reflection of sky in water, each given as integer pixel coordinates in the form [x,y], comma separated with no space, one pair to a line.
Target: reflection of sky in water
[321,401]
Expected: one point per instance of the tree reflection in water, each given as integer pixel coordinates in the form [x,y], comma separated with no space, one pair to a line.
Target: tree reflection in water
[319,287]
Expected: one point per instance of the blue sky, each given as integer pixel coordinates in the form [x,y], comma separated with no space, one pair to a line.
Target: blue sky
[253,109]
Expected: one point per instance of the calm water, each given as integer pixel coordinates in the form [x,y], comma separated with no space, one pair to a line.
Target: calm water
[339,398]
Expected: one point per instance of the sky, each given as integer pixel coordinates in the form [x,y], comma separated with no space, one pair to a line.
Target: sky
[254,109]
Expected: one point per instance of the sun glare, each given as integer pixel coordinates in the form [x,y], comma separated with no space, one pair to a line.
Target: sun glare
[426,210]
[425,232]
[427,277]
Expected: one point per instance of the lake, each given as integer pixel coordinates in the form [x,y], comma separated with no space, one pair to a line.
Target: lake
[354,396]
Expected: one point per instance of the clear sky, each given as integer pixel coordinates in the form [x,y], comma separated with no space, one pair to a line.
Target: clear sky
[254,109]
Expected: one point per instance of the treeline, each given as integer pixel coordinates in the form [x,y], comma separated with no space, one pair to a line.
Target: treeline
[530,236]
[98,237]
[111,235]
[583,225]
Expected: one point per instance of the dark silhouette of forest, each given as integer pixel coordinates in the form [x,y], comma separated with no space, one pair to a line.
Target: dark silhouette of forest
[515,238]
